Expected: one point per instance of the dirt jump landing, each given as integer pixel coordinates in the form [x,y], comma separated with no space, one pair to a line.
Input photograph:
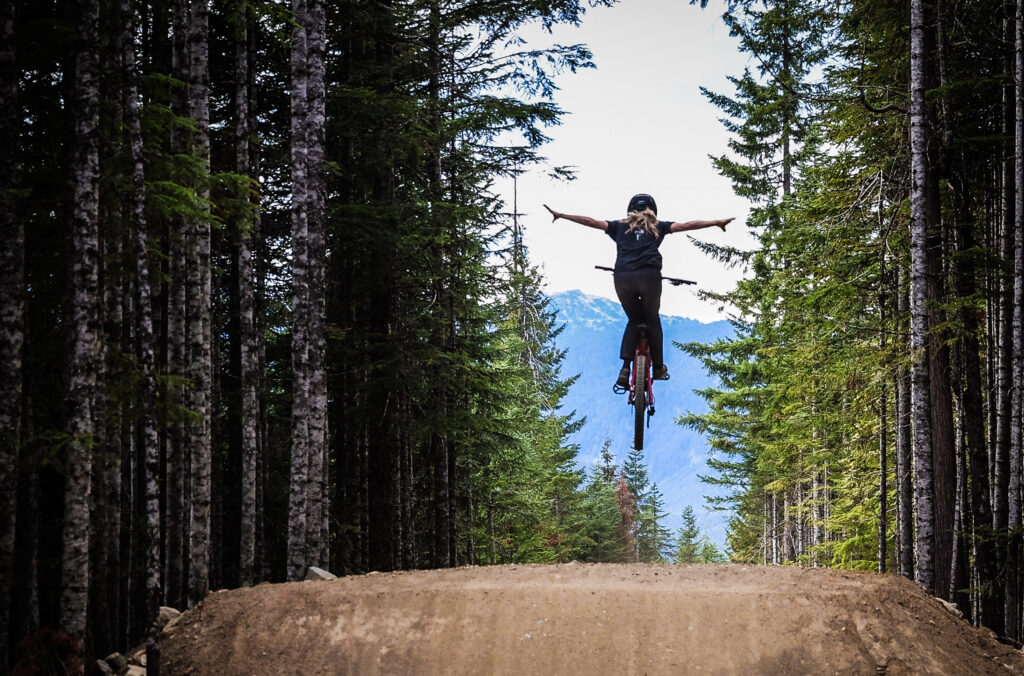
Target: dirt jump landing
[584,619]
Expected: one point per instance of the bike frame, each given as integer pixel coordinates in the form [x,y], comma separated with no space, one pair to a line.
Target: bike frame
[642,349]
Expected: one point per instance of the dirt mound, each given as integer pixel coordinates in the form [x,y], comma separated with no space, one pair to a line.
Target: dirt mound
[584,619]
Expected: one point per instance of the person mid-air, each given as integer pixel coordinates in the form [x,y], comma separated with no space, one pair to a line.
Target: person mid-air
[638,272]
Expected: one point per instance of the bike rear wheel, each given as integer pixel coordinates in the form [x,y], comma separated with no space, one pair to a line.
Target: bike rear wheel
[639,400]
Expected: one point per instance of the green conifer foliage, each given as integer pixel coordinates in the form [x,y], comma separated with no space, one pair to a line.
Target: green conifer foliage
[813,385]
[447,440]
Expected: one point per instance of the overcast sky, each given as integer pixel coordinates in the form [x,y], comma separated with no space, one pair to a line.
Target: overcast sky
[638,123]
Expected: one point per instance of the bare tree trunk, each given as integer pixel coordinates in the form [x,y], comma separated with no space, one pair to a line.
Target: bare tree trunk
[815,519]
[788,541]
[298,504]
[408,495]
[147,347]
[177,357]
[84,362]
[1013,517]
[883,471]
[12,324]
[127,544]
[317,537]
[775,529]
[439,451]
[979,517]
[764,530]
[113,430]
[904,449]
[920,403]
[883,431]
[941,402]
[262,563]
[1001,469]
[248,344]
[943,437]
[199,298]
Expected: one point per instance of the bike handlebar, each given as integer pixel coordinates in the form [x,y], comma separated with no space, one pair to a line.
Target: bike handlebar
[674,281]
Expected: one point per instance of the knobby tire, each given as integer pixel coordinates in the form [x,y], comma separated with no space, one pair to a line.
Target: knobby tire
[639,401]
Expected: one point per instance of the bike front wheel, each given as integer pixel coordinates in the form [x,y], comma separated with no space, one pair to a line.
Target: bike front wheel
[639,401]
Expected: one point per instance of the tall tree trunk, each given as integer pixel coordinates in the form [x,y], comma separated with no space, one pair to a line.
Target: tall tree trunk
[150,451]
[1001,469]
[972,400]
[177,351]
[317,537]
[247,328]
[298,504]
[960,570]
[883,476]
[199,298]
[904,447]
[788,541]
[408,496]
[84,362]
[941,396]
[924,512]
[439,453]
[1013,516]
[113,429]
[12,324]
[262,561]
[883,428]
[439,443]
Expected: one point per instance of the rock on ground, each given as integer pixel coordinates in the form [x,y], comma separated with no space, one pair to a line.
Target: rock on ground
[314,573]
[584,619]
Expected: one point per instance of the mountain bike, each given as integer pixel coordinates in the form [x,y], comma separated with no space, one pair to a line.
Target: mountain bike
[641,382]
[641,388]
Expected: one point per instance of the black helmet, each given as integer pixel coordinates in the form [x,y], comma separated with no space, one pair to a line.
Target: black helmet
[641,202]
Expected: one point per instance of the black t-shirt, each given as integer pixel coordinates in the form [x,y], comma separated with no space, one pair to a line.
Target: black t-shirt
[638,249]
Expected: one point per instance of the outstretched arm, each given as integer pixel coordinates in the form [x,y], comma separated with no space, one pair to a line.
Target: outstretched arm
[697,225]
[582,220]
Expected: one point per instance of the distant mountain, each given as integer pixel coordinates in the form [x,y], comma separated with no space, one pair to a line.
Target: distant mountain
[674,454]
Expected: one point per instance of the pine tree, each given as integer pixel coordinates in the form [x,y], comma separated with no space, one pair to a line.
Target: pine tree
[688,545]
[600,540]
[709,552]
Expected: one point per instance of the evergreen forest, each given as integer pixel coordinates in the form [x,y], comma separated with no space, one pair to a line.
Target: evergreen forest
[870,412]
[262,308]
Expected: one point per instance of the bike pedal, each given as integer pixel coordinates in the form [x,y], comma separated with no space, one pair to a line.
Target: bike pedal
[619,390]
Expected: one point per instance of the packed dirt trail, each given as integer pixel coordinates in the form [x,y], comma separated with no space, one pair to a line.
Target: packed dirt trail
[584,619]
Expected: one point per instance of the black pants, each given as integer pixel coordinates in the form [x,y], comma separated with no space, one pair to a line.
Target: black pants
[639,292]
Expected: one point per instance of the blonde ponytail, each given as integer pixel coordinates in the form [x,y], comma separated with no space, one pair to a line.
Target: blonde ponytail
[645,220]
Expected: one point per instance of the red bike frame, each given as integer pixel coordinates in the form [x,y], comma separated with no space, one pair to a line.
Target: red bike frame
[642,350]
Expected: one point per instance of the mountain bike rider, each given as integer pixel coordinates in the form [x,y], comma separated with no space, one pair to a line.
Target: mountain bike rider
[638,272]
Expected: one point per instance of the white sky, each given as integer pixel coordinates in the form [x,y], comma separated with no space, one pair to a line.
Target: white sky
[638,123]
